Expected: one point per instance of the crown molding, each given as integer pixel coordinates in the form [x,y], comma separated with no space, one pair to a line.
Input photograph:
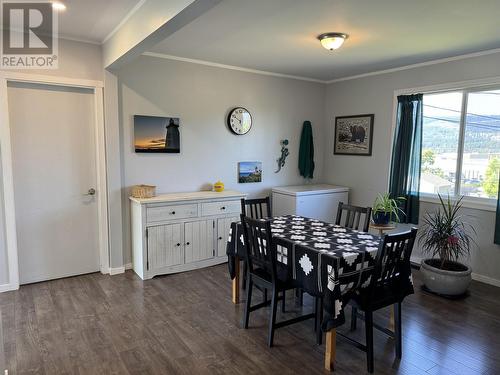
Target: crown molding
[231,67]
[81,40]
[417,65]
[363,75]
[125,19]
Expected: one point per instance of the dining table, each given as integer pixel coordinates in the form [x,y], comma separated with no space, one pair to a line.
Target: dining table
[324,259]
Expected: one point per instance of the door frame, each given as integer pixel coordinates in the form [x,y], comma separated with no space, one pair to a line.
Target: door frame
[7,198]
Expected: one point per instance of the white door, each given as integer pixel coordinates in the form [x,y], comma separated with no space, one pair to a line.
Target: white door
[199,240]
[223,226]
[53,155]
[164,246]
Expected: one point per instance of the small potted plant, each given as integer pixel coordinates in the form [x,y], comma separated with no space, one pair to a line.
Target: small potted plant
[446,238]
[386,209]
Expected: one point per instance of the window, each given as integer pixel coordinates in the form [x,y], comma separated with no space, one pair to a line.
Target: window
[461,143]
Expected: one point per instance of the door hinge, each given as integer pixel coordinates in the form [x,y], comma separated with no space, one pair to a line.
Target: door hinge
[213,252]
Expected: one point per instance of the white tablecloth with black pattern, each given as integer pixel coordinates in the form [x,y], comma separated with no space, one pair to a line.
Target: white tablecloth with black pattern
[324,259]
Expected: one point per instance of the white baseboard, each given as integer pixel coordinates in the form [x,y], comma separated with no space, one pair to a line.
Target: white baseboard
[415,260]
[475,276]
[116,271]
[485,279]
[8,287]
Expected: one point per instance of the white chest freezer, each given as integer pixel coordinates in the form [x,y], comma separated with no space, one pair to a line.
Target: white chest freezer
[315,201]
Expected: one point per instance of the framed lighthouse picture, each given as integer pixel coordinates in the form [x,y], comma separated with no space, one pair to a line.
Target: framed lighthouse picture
[154,134]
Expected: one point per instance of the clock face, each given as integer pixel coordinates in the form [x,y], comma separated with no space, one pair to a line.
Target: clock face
[239,121]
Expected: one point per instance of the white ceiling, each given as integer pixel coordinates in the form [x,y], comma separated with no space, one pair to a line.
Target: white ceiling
[280,35]
[92,20]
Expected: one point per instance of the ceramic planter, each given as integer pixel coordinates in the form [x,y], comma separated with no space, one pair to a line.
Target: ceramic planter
[450,283]
[381,218]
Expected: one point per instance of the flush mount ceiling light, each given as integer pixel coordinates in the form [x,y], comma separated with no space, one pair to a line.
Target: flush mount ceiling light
[56,5]
[332,41]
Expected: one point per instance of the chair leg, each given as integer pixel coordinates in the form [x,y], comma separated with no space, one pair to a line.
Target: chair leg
[272,317]
[319,320]
[397,328]
[369,340]
[354,318]
[245,271]
[299,297]
[248,302]
[283,302]
[315,313]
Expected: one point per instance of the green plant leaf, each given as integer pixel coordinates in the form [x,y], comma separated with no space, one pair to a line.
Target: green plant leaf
[444,234]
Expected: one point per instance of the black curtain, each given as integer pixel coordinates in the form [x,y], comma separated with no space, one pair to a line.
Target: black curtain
[407,155]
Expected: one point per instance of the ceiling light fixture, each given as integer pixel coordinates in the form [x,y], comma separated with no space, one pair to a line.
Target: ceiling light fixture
[332,41]
[56,5]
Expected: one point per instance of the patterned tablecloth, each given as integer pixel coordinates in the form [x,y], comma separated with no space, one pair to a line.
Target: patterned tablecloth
[324,259]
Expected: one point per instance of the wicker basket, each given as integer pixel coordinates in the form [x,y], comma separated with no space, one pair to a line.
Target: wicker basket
[143,191]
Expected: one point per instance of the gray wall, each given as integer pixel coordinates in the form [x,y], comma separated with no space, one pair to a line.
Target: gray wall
[76,60]
[113,169]
[367,176]
[201,96]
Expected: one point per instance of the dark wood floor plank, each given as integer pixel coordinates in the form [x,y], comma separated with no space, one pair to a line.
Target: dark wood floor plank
[186,324]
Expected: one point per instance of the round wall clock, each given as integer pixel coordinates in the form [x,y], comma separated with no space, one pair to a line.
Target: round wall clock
[239,121]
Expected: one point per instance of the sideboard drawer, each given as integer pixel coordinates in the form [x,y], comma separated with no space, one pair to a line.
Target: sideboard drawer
[221,208]
[162,213]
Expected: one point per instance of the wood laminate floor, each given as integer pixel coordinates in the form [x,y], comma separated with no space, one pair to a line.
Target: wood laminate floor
[186,324]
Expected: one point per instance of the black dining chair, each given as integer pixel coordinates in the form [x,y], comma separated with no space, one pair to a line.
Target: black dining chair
[266,271]
[388,286]
[353,215]
[257,208]
[352,220]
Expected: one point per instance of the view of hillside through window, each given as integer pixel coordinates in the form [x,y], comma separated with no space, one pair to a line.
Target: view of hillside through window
[466,146]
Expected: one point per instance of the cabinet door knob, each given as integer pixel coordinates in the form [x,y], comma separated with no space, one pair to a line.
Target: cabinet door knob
[172,213]
[220,238]
[187,243]
[223,208]
[178,244]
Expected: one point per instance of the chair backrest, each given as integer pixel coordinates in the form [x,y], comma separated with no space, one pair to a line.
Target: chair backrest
[353,217]
[260,250]
[259,208]
[393,254]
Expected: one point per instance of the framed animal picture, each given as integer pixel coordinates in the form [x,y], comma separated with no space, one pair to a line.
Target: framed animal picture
[353,135]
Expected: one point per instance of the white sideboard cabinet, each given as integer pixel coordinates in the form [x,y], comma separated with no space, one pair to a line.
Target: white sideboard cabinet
[181,231]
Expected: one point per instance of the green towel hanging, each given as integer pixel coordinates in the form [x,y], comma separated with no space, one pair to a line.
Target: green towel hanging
[306,151]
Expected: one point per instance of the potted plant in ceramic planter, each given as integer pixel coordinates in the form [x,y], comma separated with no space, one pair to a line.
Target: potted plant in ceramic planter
[446,238]
[386,209]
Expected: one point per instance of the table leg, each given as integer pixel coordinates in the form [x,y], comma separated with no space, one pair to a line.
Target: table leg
[330,349]
[236,281]
[391,318]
